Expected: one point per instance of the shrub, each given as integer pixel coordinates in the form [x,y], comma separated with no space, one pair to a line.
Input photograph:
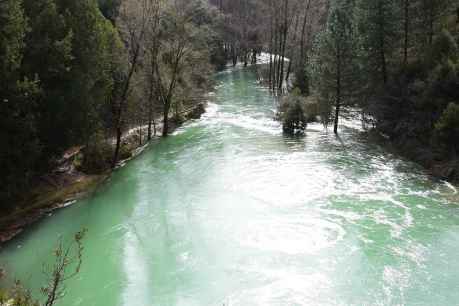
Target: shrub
[294,121]
[17,296]
[447,126]
[444,47]
[292,113]
[97,155]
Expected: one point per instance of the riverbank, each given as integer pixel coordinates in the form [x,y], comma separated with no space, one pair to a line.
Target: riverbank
[435,162]
[66,184]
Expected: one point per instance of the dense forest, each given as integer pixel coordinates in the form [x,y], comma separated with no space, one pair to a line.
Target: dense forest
[394,62]
[84,73]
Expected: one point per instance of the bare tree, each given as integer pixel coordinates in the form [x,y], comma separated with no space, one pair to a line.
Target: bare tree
[133,20]
[67,264]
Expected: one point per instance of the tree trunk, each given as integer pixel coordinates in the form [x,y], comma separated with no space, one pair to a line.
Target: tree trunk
[406,30]
[140,134]
[431,26]
[117,147]
[167,106]
[382,51]
[338,87]
[284,43]
[289,70]
[149,128]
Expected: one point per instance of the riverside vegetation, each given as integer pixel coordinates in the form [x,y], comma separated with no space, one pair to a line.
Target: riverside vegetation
[396,62]
[84,74]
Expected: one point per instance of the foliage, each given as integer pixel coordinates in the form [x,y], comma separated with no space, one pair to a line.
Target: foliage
[97,155]
[17,296]
[448,125]
[335,66]
[292,113]
[67,264]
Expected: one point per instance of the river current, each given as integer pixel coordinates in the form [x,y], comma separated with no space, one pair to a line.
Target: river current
[229,211]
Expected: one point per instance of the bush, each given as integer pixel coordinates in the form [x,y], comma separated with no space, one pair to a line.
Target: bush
[17,296]
[97,155]
[444,47]
[448,126]
[292,113]
[294,121]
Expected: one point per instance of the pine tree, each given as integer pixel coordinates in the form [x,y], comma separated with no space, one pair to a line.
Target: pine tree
[336,59]
[378,23]
[20,147]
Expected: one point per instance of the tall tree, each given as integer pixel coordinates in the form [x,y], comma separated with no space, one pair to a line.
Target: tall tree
[20,147]
[336,59]
[378,28]
[134,18]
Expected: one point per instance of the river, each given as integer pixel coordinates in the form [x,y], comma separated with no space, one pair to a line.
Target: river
[228,211]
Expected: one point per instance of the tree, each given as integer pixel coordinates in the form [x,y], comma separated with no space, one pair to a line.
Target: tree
[134,18]
[182,50]
[430,13]
[67,264]
[20,147]
[336,67]
[378,29]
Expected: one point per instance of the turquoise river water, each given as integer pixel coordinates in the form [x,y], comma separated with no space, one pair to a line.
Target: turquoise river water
[228,211]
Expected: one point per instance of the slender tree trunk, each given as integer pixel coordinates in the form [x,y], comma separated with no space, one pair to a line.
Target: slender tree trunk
[254,56]
[150,105]
[123,99]
[406,32]
[431,26]
[149,127]
[274,78]
[382,51]
[167,106]
[270,50]
[289,70]
[338,89]
[140,133]
[279,59]
[382,54]
[292,55]
[284,43]
[117,146]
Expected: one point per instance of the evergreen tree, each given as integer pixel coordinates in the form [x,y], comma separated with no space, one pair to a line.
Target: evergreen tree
[378,23]
[336,68]
[20,147]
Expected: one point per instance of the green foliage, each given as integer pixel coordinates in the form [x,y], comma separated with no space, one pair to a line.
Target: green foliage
[334,62]
[444,47]
[97,155]
[302,80]
[12,33]
[378,30]
[292,113]
[447,126]
[56,63]
[17,296]
[20,147]
[109,8]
